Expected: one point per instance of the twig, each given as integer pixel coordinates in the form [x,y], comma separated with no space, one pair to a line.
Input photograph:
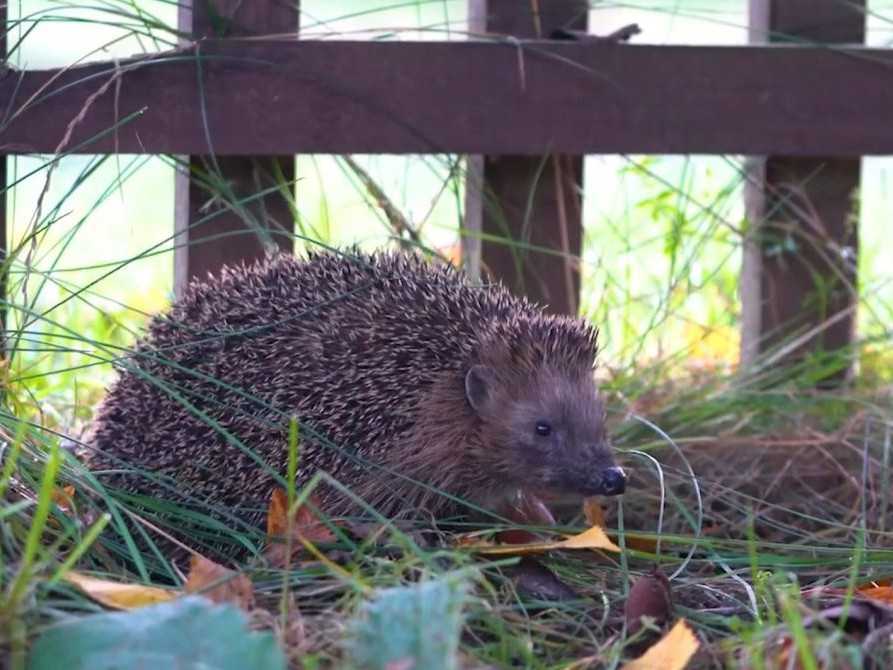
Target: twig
[395,217]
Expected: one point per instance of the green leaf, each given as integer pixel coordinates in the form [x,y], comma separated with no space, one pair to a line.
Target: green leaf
[190,633]
[417,625]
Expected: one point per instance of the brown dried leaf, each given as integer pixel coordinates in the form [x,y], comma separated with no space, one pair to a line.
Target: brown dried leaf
[672,652]
[64,498]
[883,594]
[534,579]
[219,584]
[517,536]
[650,596]
[277,514]
[117,595]
[527,509]
[305,527]
[644,544]
[530,509]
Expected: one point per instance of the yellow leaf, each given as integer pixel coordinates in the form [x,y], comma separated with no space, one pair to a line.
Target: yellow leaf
[594,538]
[592,510]
[64,498]
[117,595]
[595,516]
[672,652]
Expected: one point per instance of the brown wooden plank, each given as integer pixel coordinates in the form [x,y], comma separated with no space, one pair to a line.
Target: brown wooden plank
[806,243]
[531,218]
[367,97]
[248,230]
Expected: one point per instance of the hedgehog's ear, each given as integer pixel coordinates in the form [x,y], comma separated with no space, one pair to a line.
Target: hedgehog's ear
[479,387]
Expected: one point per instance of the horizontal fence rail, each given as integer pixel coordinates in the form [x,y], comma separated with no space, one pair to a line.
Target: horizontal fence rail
[249,97]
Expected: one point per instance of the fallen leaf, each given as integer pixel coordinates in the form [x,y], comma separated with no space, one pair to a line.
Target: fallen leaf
[877,582]
[527,509]
[117,595]
[878,592]
[277,514]
[644,544]
[471,540]
[595,516]
[883,594]
[306,527]
[530,509]
[594,538]
[64,498]
[219,584]
[535,580]
[517,536]
[592,511]
[649,596]
[672,652]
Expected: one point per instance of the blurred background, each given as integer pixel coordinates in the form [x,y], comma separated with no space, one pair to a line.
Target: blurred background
[662,250]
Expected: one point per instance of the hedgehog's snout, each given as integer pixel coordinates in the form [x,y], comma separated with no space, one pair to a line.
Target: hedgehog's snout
[613,481]
[603,481]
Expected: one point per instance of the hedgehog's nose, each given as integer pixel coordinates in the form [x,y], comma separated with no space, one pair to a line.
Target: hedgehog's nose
[613,481]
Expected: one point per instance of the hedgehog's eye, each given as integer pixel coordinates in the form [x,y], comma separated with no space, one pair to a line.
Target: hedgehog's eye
[543,428]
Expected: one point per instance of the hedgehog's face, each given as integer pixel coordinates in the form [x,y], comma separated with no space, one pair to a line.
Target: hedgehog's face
[549,431]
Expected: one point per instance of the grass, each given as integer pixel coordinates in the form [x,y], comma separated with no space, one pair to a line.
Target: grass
[790,492]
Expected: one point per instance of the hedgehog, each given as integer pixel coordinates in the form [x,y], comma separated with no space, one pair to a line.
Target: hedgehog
[420,392]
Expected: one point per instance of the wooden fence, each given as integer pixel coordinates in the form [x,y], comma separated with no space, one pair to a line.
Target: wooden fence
[526,109]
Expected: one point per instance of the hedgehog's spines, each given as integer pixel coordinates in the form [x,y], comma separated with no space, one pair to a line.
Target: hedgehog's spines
[362,347]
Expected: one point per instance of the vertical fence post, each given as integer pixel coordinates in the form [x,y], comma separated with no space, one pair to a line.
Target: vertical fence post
[529,207]
[251,228]
[800,259]
[4,26]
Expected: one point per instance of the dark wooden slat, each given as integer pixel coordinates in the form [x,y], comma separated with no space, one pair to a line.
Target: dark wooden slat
[532,227]
[3,178]
[360,97]
[810,207]
[806,251]
[532,205]
[238,18]
[3,249]
[526,20]
[250,229]
[811,21]
[213,234]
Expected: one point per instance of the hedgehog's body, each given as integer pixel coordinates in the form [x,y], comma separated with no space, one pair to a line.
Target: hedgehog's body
[384,361]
